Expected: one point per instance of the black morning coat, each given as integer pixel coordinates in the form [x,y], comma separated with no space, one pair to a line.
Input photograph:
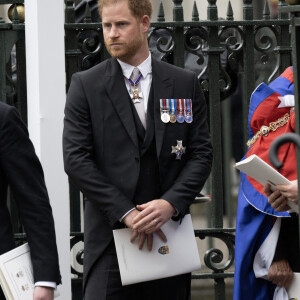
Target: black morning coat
[101,150]
[21,170]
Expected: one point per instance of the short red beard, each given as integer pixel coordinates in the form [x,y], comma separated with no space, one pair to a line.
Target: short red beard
[126,51]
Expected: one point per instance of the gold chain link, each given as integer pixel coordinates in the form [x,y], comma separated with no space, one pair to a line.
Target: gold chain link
[273,126]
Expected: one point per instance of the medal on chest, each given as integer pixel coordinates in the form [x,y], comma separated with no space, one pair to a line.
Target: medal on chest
[164,110]
[179,116]
[173,110]
[188,114]
[179,149]
[134,92]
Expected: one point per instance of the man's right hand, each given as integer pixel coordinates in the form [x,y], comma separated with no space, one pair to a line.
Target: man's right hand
[43,293]
[128,219]
[280,273]
[143,237]
[276,199]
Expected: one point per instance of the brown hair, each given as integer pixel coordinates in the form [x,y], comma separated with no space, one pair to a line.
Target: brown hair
[138,8]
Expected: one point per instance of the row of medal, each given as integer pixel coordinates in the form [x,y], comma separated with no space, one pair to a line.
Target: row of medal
[176,110]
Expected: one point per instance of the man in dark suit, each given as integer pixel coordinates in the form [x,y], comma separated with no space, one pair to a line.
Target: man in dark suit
[21,170]
[136,147]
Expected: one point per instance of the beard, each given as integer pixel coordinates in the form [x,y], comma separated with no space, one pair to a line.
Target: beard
[126,51]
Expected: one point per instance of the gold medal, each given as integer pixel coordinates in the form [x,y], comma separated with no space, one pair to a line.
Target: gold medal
[172,118]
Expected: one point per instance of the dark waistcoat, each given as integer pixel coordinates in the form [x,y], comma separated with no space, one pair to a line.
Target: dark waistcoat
[148,186]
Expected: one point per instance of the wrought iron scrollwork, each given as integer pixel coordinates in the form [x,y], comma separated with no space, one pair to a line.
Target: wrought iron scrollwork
[91,45]
[265,40]
[232,38]
[213,257]
[77,247]
[195,41]
[161,42]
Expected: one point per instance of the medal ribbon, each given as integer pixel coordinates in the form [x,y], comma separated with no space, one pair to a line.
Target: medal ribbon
[188,106]
[167,109]
[184,107]
[163,105]
[137,81]
[178,105]
[172,106]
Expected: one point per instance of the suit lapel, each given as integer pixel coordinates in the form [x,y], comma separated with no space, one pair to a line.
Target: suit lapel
[118,94]
[162,88]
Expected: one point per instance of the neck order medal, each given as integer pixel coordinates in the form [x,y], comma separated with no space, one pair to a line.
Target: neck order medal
[135,93]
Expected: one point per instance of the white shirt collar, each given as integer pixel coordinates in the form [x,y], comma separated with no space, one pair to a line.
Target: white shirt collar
[145,67]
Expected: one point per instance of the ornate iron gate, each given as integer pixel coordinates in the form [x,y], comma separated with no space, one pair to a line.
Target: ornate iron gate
[229,57]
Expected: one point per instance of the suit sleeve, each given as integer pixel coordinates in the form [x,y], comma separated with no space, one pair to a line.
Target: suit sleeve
[194,173]
[24,174]
[79,157]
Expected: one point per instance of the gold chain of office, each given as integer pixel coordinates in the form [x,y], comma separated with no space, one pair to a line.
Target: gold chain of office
[273,126]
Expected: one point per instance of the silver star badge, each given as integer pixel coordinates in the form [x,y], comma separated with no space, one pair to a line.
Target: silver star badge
[178,149]
[136,95]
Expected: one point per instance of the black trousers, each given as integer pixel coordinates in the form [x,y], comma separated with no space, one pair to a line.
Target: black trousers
[104,283]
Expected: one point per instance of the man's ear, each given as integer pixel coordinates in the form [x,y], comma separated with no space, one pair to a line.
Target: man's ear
[145,21]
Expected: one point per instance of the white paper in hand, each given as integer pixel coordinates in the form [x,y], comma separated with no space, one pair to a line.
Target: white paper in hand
[294,289]
[16,274]
[178,255]
[262,172]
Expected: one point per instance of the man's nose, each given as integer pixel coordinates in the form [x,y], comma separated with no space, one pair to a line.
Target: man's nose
[114,32]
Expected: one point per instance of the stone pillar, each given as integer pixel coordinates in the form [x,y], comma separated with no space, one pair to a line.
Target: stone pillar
[46,98]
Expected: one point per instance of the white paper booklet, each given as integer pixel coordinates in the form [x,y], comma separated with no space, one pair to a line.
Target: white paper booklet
[262,172]
[178,255]
[16,274]
[294,289]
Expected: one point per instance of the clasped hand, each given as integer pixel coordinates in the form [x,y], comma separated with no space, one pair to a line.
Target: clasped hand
[147,220]
[280,273]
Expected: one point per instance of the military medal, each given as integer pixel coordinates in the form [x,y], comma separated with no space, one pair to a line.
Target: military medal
[178,149]
[179,116]
[173,110]
[164,110]
[135,93]
[188,115]
[165,117]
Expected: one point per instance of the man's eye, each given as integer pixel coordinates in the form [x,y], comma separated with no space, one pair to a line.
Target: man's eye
[107,25]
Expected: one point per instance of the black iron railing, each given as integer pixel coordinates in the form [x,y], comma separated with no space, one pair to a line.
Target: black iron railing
[230,58]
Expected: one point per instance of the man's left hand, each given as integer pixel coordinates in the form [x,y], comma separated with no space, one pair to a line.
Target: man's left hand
[153,215]
[43,293]
[147,238]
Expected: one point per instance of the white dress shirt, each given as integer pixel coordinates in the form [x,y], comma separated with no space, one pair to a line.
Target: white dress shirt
[145,83]
[46,284]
